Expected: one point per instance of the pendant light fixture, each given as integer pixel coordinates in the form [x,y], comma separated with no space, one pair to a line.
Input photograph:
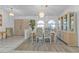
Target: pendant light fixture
[11,13]
[41,14]
[43,9]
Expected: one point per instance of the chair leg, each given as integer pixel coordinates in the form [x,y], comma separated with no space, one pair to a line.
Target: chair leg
[55,39]
[50,40]
[44,39]
[36,40]
[32,39]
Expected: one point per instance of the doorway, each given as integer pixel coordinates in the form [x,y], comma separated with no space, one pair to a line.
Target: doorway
[20,25]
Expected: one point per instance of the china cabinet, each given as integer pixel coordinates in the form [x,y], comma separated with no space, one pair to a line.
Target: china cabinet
[68,28]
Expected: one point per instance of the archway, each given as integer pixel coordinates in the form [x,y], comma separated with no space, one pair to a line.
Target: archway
[51,24]
[40,23]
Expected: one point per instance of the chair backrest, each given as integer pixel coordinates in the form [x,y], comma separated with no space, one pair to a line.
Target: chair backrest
[39,32]
[46,32]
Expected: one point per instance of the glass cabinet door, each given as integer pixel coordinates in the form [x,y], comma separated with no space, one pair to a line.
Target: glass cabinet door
[71,22]
[61,23]
[65,23]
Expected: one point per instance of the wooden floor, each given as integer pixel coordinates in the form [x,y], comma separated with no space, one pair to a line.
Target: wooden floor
[40,46]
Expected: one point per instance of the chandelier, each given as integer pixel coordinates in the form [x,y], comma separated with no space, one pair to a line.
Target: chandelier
[41,14]
[42,11]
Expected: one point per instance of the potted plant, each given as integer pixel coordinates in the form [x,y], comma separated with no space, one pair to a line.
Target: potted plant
[32,24]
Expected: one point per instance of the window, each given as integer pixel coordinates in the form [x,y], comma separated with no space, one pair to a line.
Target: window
[51,24]
[40,23]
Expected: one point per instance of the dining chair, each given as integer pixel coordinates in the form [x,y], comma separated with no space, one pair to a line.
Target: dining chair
[47,35]
[39,34]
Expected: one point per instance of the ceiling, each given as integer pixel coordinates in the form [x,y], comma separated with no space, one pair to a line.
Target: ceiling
[32,10]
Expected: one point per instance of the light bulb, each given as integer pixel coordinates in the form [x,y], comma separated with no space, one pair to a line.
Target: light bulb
[11,14]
